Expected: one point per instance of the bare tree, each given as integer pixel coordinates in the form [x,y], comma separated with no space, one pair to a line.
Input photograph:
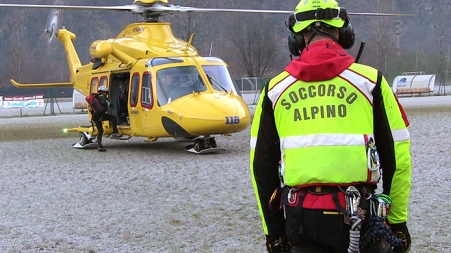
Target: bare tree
[440,18]
[16,54]
[254,42]
[200,24]
[383,34]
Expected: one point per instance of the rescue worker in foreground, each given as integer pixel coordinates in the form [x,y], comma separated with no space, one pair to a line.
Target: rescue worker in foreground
[323,132]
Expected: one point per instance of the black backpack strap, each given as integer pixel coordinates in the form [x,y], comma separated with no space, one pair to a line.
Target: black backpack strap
[337,203]
[297,227]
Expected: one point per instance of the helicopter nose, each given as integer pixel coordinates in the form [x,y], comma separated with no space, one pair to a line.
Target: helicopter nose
[213,114]
[235,112]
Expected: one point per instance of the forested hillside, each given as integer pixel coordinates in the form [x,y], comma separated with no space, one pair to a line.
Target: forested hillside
[252,44]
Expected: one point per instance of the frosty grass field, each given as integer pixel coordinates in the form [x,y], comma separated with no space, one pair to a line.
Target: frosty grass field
[155,197]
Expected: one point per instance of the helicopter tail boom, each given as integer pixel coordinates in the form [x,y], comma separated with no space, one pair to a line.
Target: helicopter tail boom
[66,37]
[41,85]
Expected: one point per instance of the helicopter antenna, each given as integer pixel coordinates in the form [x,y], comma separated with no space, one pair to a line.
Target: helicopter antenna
[211,48]
[189,43]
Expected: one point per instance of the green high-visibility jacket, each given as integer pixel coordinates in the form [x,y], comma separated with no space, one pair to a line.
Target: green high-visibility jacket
[318,133]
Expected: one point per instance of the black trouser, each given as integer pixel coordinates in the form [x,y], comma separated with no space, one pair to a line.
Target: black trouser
[98,123]
[322,232]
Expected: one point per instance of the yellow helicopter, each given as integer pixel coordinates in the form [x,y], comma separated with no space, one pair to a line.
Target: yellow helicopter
[203,101]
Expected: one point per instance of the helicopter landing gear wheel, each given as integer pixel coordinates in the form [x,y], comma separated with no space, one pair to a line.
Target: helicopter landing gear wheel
[205,145]
[212,142]
[199,145]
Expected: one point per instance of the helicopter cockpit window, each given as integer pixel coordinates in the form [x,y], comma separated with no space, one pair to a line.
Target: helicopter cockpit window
[176,82]
[220,78]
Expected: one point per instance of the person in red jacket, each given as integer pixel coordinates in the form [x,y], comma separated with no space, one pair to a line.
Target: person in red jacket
[325,132]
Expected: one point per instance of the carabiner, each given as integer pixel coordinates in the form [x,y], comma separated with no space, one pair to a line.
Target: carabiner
[292,195]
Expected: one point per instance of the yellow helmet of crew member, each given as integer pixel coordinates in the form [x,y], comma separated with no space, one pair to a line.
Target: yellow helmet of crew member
[311,11]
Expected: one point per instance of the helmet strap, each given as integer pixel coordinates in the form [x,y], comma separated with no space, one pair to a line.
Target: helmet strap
[319,31]
[311,37]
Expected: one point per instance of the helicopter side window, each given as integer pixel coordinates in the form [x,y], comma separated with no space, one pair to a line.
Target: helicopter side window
[94,85]
[135,90]
[103,81]
[146,91]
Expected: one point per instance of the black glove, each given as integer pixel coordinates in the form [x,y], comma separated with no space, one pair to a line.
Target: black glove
[278,244]
[401,231]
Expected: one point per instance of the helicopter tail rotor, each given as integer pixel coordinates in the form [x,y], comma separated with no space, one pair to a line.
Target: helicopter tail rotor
[52,25]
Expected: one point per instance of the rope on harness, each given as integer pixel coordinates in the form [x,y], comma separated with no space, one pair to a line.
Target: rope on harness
[378,230]
[357,218]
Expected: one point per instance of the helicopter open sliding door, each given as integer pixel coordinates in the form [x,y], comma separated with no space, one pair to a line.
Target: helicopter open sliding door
[119,94]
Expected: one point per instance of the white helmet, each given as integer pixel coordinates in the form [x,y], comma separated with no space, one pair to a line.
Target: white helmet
[103,89]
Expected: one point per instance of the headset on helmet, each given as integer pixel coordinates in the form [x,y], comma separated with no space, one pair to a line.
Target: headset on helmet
[307,15]
[102,89]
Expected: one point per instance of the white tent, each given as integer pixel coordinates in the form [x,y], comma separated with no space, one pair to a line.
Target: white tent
[409,84]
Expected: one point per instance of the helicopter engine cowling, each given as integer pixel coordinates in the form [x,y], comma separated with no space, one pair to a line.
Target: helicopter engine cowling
[100,49]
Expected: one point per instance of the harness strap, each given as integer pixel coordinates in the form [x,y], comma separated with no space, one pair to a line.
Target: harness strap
[337,203]
[297,227]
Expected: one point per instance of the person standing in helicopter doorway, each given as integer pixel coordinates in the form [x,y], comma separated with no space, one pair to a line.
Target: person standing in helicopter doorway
[100,114]
[123,100]
[323,132]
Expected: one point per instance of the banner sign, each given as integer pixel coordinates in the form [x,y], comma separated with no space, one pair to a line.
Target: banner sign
[23,101]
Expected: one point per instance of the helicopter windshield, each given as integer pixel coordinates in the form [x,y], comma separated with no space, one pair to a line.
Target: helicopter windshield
[219,78]
[176,82]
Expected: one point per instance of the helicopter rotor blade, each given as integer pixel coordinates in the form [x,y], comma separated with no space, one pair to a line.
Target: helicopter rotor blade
[381,14]
[52,24]
[159,8]
[176,8]
[73,7]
